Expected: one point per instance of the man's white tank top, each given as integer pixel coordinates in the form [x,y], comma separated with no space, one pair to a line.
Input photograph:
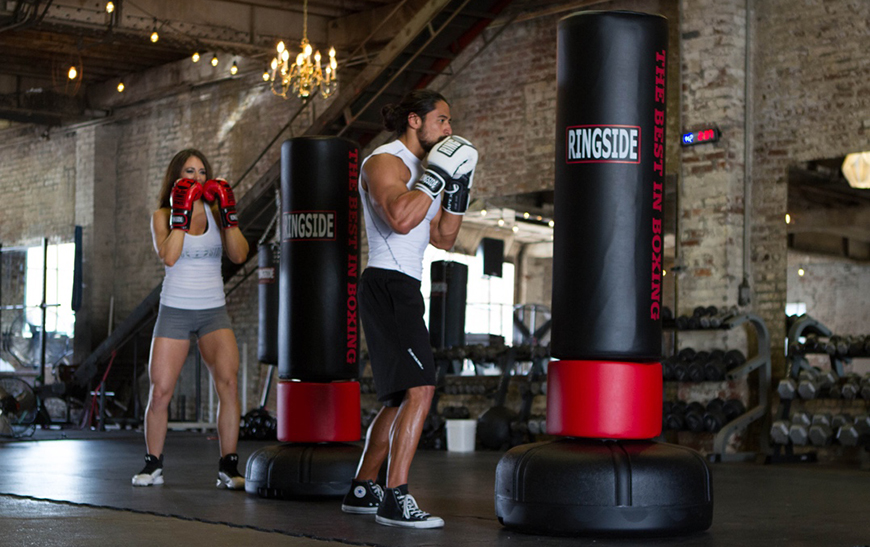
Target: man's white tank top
[388,249]
[194,282]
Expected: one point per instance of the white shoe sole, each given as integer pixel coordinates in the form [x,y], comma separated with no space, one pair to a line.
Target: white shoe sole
[354,510]
[146,479]
[230,483]
[432,522]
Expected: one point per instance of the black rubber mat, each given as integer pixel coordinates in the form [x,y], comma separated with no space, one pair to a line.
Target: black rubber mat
[754,505]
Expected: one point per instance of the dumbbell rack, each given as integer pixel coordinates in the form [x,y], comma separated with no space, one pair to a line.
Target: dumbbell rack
[796,363]
[761,363]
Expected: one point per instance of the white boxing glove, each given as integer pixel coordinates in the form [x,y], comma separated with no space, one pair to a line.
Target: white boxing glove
[452,159]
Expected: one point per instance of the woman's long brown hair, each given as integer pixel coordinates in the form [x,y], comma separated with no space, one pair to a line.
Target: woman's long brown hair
[173,172]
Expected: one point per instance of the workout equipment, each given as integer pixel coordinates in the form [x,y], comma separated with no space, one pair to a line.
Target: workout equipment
[19,408]
[184,194]
[457,193]
[779,431]
[821,433]
[606,329]
[447,303]
[222,191]
[268,260]
[318,330]
[856,433]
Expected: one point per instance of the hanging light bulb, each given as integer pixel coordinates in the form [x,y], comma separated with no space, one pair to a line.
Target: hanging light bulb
[110,7]
[551,224]
[304,75]
[265,75]
[515,228]
[120,87]
[72,73]
[234,69]
[154,36]
[483,212]
[195,57]
[501,222]
[214,61]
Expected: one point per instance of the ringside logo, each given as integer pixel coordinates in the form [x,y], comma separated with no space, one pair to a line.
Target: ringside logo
[603,143]
[308,225]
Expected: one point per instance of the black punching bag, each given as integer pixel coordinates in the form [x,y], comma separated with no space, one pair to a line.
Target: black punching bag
[317,324]
[267,292]
[610,167]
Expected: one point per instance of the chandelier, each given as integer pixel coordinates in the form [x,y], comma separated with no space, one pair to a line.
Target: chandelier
[304,76]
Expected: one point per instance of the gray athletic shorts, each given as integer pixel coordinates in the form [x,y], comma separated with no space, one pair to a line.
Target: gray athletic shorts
[179,324]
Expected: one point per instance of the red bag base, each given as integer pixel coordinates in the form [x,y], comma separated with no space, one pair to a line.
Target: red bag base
[604,399]
[310,412]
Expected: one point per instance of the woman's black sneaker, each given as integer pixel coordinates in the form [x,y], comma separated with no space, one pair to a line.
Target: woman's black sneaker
[152,473]
[363,498]
[228,473]
[399,508]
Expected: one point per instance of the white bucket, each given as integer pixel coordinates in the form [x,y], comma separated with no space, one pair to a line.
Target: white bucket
[460,435]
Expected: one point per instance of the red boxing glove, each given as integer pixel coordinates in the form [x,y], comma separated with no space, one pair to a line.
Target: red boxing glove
[220,189]
[184,194]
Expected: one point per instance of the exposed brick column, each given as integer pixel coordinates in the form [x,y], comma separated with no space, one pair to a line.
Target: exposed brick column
[96,178]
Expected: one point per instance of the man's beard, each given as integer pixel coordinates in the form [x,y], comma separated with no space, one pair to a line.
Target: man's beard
[427,144]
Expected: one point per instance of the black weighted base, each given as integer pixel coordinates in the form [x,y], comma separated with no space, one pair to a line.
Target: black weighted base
[600,487]
[302,470]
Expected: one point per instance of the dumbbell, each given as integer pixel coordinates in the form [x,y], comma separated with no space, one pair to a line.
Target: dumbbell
[787,388]
[841,345]
[779,432]
[695,369]
[733,408]
[851,386]
[733,358]
[798,431]
[694,417]
[455,412]
[675,418]
[857,346]
[856,433]
[714,416]
[841,419]
[667,314]
[812,385]
[821,433]
[865,386]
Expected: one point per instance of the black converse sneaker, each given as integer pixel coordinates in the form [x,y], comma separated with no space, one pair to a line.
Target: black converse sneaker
[399,508]
[228,473]
[363,498]
[152,473]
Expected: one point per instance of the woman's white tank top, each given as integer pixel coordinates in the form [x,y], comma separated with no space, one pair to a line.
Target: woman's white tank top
[194,282]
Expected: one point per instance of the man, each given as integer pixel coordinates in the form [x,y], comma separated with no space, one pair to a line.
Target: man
[406,208]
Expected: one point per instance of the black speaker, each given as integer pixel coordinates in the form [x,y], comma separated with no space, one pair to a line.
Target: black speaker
[447,304]
[493,255]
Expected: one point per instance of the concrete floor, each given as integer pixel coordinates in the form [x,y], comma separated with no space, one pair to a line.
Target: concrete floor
[76,491]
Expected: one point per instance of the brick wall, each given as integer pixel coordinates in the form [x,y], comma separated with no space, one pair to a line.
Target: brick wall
[811,101]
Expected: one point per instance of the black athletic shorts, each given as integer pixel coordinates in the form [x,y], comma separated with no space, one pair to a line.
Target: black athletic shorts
[391,310]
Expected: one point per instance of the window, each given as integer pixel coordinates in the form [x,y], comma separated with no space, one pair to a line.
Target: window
[490,300]
[59,316]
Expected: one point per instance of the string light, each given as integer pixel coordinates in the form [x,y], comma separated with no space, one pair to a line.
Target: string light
[195,57]
[483,212]
[120,87]
[515,228]
[526,215]
[501,222]
[214,61]
[265,75]
[155,36]
[234,69]
[551,224]
[72,73]
[110,7]
[801,272]
[787,218]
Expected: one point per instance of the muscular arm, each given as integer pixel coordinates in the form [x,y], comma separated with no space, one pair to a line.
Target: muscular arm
[443,230]
[235,244]
[167,243]
[399,207]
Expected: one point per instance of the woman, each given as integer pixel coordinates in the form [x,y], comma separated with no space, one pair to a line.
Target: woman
[190,242]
